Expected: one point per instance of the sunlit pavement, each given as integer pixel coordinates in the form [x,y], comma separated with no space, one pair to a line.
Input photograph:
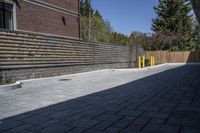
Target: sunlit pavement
[164,99]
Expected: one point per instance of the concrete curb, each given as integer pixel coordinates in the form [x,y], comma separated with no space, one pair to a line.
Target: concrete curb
[63,76]
[16,85]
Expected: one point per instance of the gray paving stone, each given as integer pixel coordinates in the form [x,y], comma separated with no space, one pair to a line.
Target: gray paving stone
[103,125]
[93,131]
[131,112]
[141,121]
[149,108]
[167,110]
[9,124]
[136,127]
[158,121]
[56,128]
[36,120]
[168,129]
[49,122]
[23,116]
[179,114]
[113,130]
[158,100]
[152,127]
[27,131]
[133,129]
[184,122]
[123,122]
[71,119]
[157,115]
[92,113]
[35,128]
[61,115]
[190,130]
[109,117]
[85,123]
[19,128]
[77,130]
[113,108]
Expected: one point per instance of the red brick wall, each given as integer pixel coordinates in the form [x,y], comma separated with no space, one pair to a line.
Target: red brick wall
[67,4]
[31,17]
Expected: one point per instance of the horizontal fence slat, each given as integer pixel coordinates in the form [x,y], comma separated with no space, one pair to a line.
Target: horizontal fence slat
[174,57]
[18,50]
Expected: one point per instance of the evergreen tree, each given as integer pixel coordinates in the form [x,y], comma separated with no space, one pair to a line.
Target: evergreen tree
[173,18]
[86,8]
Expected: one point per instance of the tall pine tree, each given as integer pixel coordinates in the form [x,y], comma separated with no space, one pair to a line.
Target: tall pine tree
[174,20]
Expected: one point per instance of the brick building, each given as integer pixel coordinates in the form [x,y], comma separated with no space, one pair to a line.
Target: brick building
[57,17]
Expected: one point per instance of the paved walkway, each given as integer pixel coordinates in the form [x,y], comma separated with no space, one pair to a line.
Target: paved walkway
[159,100]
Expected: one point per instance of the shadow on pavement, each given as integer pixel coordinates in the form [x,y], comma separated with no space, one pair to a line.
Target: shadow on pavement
[167,102]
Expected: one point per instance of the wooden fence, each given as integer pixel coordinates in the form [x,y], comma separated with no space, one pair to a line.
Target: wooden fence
[27,55]
[174,57]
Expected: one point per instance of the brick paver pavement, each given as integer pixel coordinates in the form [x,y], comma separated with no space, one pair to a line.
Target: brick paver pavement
[159,100]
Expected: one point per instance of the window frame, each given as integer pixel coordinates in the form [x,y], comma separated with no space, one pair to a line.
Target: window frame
[13,4]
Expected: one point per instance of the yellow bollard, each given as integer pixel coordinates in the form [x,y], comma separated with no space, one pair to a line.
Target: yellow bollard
[153,61]
[143,61]
[139,61]
[150,60]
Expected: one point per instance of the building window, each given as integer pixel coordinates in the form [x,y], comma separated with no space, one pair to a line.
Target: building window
[6,16]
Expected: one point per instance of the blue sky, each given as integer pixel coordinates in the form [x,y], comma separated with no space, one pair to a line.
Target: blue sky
[126,16]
